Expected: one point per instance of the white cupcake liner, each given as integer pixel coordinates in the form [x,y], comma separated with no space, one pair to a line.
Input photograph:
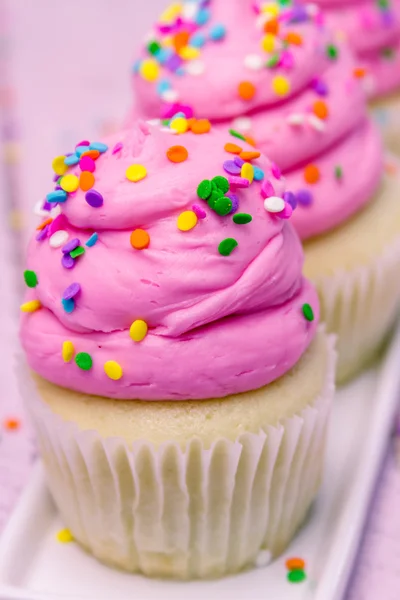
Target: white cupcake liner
[386,113]
[192,513]
[360,307]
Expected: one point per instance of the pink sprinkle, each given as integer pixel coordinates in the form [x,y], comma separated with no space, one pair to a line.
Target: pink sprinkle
[169,110]
[84,143]
[276,172]
[239,182]
[200,212]
[287,60]
[60,222]
[117,147]
[86,163]
[287,212]
[267,189]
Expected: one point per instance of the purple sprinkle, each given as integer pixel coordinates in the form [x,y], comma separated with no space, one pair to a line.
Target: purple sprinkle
[86,163]
[267,189]
[239,182]
[58,187]
[298,14]
[67,261]
[287,212]
[117,147]
[71,291]
[71,245]
[173,62]
[319,87]
[290,198]
[235,202]
[231,167]
[388,18]
[60,222]
[55,177]
[239,161]
[276,172]
[94,199]
[48,206]
[304,197]
[84,143]
[199,211]
[42,235]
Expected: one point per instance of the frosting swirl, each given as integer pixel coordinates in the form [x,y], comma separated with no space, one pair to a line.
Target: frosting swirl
[141,289]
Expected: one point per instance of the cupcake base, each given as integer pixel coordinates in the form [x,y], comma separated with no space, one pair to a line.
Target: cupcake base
[356,268]
[187,489]
[386,112]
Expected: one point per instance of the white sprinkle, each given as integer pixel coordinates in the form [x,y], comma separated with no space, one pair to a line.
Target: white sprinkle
[261,20]
[263,559]
[242,124]
[170,96]
[195,67]
[154,122]
[38,210]
[189,10]
[295,119]
[312,9]
[317,123]
[253,62]
[55,211]
[168,130]
[274,204]
[59,238]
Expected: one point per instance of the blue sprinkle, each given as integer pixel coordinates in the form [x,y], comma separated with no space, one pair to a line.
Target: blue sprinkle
[217,32]
[68,305]
[57,196]
[71,160]
[198,40]
[80,150]
[178,115]
[180,71]
[164,55]
[92,240]
[98,146]
[258,173]
[203,16]
[136,66]
[162,86]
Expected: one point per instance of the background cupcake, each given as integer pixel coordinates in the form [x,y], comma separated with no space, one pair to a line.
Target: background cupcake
[276,77]
[181,386]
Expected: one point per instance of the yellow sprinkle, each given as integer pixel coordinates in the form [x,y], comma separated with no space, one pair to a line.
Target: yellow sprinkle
[180,125]
[168,41]
[136,173]
[281,85]
[59,167]
[247,172]
[268,42]
[138,330]
[64,536]
[189,53]
[271,9]
[69,183]
[187,220]
[149,70]
[68,351]
[113,370]
[171,13]
[31,306]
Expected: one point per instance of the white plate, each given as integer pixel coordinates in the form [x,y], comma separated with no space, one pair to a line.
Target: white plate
[35,566]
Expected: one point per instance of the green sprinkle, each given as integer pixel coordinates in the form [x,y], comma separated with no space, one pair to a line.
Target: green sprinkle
[204,189]
[338,172]
[84,361]
[273,61]
[31,279]
[79,250]
[227,246]
[242,218]
[238,135]
[216,194]
[332,51]
[223,206]
[296,576]
[221,182]
[384,4]
[154,47]
[387,52]
[308,312]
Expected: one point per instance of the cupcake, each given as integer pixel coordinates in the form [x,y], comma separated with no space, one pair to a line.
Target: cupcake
[282,83]
[179,383]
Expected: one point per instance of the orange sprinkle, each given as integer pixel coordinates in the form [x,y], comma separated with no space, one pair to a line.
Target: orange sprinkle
[320,109]
[140,239]
[181,40]
[251,141]
[294,38]
[86,181]
[246,90]
[201,126]
[43,225]
[92,153]
[272,26]
[177,154]
[190,122]
[359,72]
[311,174]
[295,563]
[232,148]
[250,155]
[12,424]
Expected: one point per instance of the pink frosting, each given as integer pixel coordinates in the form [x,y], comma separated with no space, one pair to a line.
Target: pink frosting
[199,305]
[285,128]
